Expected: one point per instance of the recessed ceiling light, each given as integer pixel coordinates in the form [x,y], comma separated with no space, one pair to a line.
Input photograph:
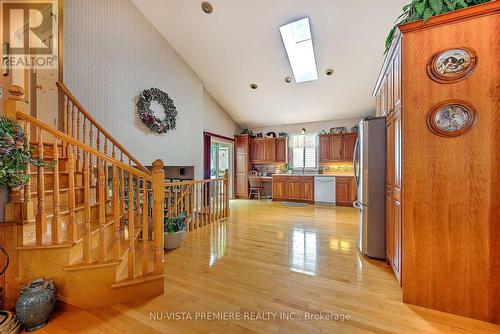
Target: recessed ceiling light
[254,86]
[299,49]
[207,7]
[288,79]
[329,71]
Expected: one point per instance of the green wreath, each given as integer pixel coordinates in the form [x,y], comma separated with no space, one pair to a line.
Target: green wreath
[147,115]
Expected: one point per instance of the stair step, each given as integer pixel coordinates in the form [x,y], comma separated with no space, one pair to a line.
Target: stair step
[138,280]
[38,247]
[89,266]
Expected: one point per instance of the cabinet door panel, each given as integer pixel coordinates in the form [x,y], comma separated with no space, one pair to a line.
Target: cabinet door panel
[336,145]
[241,185]
[396,263]
[278,188]
[389,228]
[324,148]
[307,188]
[269,150]
[293,188]
[349,143]
[241,163]
[281,150]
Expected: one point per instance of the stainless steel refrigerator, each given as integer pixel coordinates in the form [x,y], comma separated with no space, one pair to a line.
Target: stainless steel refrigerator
[369,173]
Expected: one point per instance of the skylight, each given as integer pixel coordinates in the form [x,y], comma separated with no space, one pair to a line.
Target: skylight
[299,48]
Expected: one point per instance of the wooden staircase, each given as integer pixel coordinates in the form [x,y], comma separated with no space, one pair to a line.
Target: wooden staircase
[94,221]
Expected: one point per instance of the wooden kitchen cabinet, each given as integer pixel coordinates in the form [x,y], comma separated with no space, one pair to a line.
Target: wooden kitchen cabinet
[337,148]
[268,150]
[345,190]
[281,150]
[349,142]
[307,188]
[293,188]
[324,148]
[241,165]
[279,184]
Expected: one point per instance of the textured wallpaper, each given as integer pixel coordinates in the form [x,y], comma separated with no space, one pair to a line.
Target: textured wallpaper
[112,53]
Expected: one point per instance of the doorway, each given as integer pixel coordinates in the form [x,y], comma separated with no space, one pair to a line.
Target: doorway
[221,158]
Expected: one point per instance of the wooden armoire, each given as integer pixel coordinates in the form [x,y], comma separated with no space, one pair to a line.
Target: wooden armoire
[439,89]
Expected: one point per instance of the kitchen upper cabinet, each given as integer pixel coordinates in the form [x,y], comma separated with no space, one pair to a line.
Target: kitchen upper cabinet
[324,148]
[345,191]
[293,187]
[349,142]
[337,148]
[281,150]
[307,188]
[268,150]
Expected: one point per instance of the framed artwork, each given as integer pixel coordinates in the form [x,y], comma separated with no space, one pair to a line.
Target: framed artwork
[451,118]
[452,65]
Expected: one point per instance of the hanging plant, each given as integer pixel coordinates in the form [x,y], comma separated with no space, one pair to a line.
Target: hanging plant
[15,156]
[425,9]
[158,125]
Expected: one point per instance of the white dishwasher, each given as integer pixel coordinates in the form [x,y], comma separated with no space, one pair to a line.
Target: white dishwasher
[324,189]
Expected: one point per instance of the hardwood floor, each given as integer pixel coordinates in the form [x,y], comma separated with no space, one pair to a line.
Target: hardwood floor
[272,258]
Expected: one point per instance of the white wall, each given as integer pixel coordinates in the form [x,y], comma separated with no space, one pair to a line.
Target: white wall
[216,119]
[113,53]
[311,128]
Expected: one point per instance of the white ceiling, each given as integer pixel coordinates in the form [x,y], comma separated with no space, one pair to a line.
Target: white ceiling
[240,43]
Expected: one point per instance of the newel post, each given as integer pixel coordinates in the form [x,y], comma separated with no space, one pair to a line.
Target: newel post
[227,191]
[158,214]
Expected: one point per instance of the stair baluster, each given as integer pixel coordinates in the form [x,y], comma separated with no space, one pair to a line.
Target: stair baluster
[131,227]
[72,227]
[102,212]
[122,187]
[106,171]
[56,225]
[116,214]
[87,248]
[79,138]
[28,208]
[41,218]
[145,227]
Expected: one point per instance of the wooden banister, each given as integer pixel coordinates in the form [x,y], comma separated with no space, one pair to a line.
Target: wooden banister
[94,123]
[70,140]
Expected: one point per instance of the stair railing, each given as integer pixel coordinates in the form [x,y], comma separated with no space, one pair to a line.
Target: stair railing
[80,125]
[205,201]
[129,213]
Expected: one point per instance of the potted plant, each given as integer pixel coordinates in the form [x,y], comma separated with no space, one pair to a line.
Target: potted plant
[174,229]
[283,135]
[425,9]
[16,155]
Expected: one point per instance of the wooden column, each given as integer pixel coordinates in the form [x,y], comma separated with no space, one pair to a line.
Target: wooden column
[158,214]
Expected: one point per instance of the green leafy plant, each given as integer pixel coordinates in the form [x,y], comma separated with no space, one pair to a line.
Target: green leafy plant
[175,224]
[283,135]
[15,155]
[247,132]
[425,9]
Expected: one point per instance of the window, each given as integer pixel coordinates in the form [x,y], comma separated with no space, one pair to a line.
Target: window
[303,148]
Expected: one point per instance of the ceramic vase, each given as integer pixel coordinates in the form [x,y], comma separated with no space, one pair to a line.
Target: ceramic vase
[35,304]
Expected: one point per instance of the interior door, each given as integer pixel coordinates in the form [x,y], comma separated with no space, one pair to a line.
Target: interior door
[220,159]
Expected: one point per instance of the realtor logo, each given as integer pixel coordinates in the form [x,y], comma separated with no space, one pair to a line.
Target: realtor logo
[29,34]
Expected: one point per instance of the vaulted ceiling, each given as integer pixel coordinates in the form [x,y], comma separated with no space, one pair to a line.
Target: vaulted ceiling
[239,44]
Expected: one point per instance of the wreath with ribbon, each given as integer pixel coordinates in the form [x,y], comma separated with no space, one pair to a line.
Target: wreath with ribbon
[147,115]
